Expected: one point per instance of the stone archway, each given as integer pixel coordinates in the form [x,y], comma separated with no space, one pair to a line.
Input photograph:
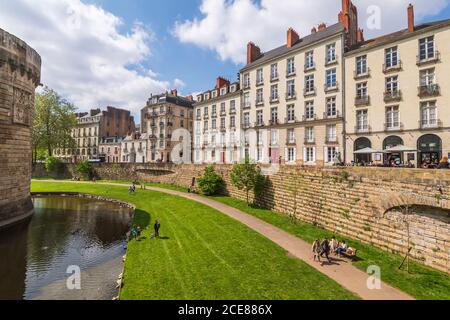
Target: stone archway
[362,143]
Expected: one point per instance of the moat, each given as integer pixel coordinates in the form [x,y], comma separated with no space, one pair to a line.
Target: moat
[65,232]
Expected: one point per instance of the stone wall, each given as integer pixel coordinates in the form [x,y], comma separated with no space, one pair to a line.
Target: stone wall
[19,76]
[361,203]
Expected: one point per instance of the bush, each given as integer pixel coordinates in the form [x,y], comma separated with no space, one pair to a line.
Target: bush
[86,169]
[210,183]
[54,165]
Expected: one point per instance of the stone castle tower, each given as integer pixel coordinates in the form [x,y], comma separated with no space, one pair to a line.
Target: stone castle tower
[20,70]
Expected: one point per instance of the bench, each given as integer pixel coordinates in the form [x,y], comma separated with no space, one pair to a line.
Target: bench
[351,256]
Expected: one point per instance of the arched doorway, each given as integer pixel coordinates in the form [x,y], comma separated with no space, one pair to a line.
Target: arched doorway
[391,142]
[430,149]
[362,143]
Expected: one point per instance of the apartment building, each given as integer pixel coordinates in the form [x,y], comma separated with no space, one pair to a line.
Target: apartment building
[292,96]
[94,126]
[166,119]
[110,149]
[134,148]
[217,124]
[397,96]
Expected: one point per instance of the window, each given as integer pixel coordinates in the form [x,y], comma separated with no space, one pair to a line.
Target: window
[331,133]
[361,90]
[291,66]
[426,48]
[361,65]
[392,84]
[291,89]
[427,77]
[259,77]
[290,136]
[274,115]
[274,93]
[199,113]
[206,112]
[331,53]
[233,122]
[331,154]
[309,135]
[362,120]
[232,106]
[214,124]
[309,60]
[223,108]
[214,110]
[291,113]
[309,84]
[259,154]
[331,79]
[222,123]
[246,80]
[291,156]
[309,111]
[391,57]
[331,108]
[259,118]
[247,119]
[274,137]
[310,154]
[429,114]
[274,72]
[259,96]
[247,103]
[205,126]
[392,118]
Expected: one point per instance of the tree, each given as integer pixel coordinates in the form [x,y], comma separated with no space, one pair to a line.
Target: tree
[210,183]
[86,169]
[53,165]
[53,123]
[247,177]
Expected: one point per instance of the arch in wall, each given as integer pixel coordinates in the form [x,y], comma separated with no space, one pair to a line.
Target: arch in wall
[362,143]
[430,149]
[391,142]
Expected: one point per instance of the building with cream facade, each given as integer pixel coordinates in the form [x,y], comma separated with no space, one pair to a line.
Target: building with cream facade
[217,127]
[397,95]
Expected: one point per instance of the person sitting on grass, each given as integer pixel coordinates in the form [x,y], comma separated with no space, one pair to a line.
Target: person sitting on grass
[316,249]
[343,248]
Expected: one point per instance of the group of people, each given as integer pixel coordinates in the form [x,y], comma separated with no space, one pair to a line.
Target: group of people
[326,247]
[136,231]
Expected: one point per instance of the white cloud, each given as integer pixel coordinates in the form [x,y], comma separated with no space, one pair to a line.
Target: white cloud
[227,26]
[179,84]
[85,55]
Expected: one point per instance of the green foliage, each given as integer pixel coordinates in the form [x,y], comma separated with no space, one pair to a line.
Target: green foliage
[247,177]
[86,169]
[210,183]
[54,165]
[54,120]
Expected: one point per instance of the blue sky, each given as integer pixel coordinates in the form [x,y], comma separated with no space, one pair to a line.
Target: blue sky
[118,52]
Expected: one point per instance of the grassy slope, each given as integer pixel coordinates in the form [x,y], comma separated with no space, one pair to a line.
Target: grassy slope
[206,256]
[422,282]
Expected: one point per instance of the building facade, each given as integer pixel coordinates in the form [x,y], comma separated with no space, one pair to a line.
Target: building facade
[92,128]
[397,90]
[110,150]
[167,119]
[217,128]
[292,97]
[134,148]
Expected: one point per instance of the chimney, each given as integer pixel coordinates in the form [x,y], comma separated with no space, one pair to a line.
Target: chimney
[221,82]
[360,35]
[292,38]
[322,26]
[313,30]
[253,52]
[411,18]
[174,92]
[190,97]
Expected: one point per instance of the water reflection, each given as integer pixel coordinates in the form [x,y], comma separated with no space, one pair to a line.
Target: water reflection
[64,231]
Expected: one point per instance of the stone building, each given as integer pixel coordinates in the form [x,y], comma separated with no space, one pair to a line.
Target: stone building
[292,96]
[167,119]
[397,90]
[110,150]
[20,69]
[217,129]
[94,126]
[134,148]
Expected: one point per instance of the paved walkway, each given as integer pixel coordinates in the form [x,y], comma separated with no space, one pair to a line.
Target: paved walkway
[341,271]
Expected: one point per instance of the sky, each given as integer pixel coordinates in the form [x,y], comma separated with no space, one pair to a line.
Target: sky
[118,52]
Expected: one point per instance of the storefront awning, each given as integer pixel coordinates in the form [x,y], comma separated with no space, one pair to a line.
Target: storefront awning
[400,149]
[367,151]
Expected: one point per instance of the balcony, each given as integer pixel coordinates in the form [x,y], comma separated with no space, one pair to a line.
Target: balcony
[431,90]
[362,101]
[397,126]
[290,120]
[330,87]
[152,115]
[392,96]
[329,115]
[363,129]
[308,92]
[291,73]
[259,103]
[310,67]
[274,122]
[246,105]
[260,83]
[291,95]
[274,100]
[246,86]
[206,116]
[291,142]
[428,60]
[232,111]
[246,125]
[274,78]
[393,68]
[259,124]
[223,129]
[331,140]
[310,140]
[310,117]
[223,113]
[361,75]
[430,124]
[331,60]
[153,137]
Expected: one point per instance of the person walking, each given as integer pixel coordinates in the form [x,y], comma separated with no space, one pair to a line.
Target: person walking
[325,246]
[316,249]
[157,227]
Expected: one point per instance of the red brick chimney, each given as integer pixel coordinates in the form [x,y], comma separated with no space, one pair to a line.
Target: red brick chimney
[322,26]
[292,38]
[174,92]
[360,35]
[253,52]
[411,22]
[221,82]
[313,30]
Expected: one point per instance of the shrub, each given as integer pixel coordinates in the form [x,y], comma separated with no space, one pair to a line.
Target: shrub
[210,183]
[86,169]
[54,165]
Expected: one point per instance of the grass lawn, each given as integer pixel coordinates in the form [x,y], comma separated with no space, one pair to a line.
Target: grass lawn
[204,254]
[422,283]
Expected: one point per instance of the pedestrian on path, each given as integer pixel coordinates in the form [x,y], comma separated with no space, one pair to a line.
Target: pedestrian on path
[157,227]
[316,249]
[325,246]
